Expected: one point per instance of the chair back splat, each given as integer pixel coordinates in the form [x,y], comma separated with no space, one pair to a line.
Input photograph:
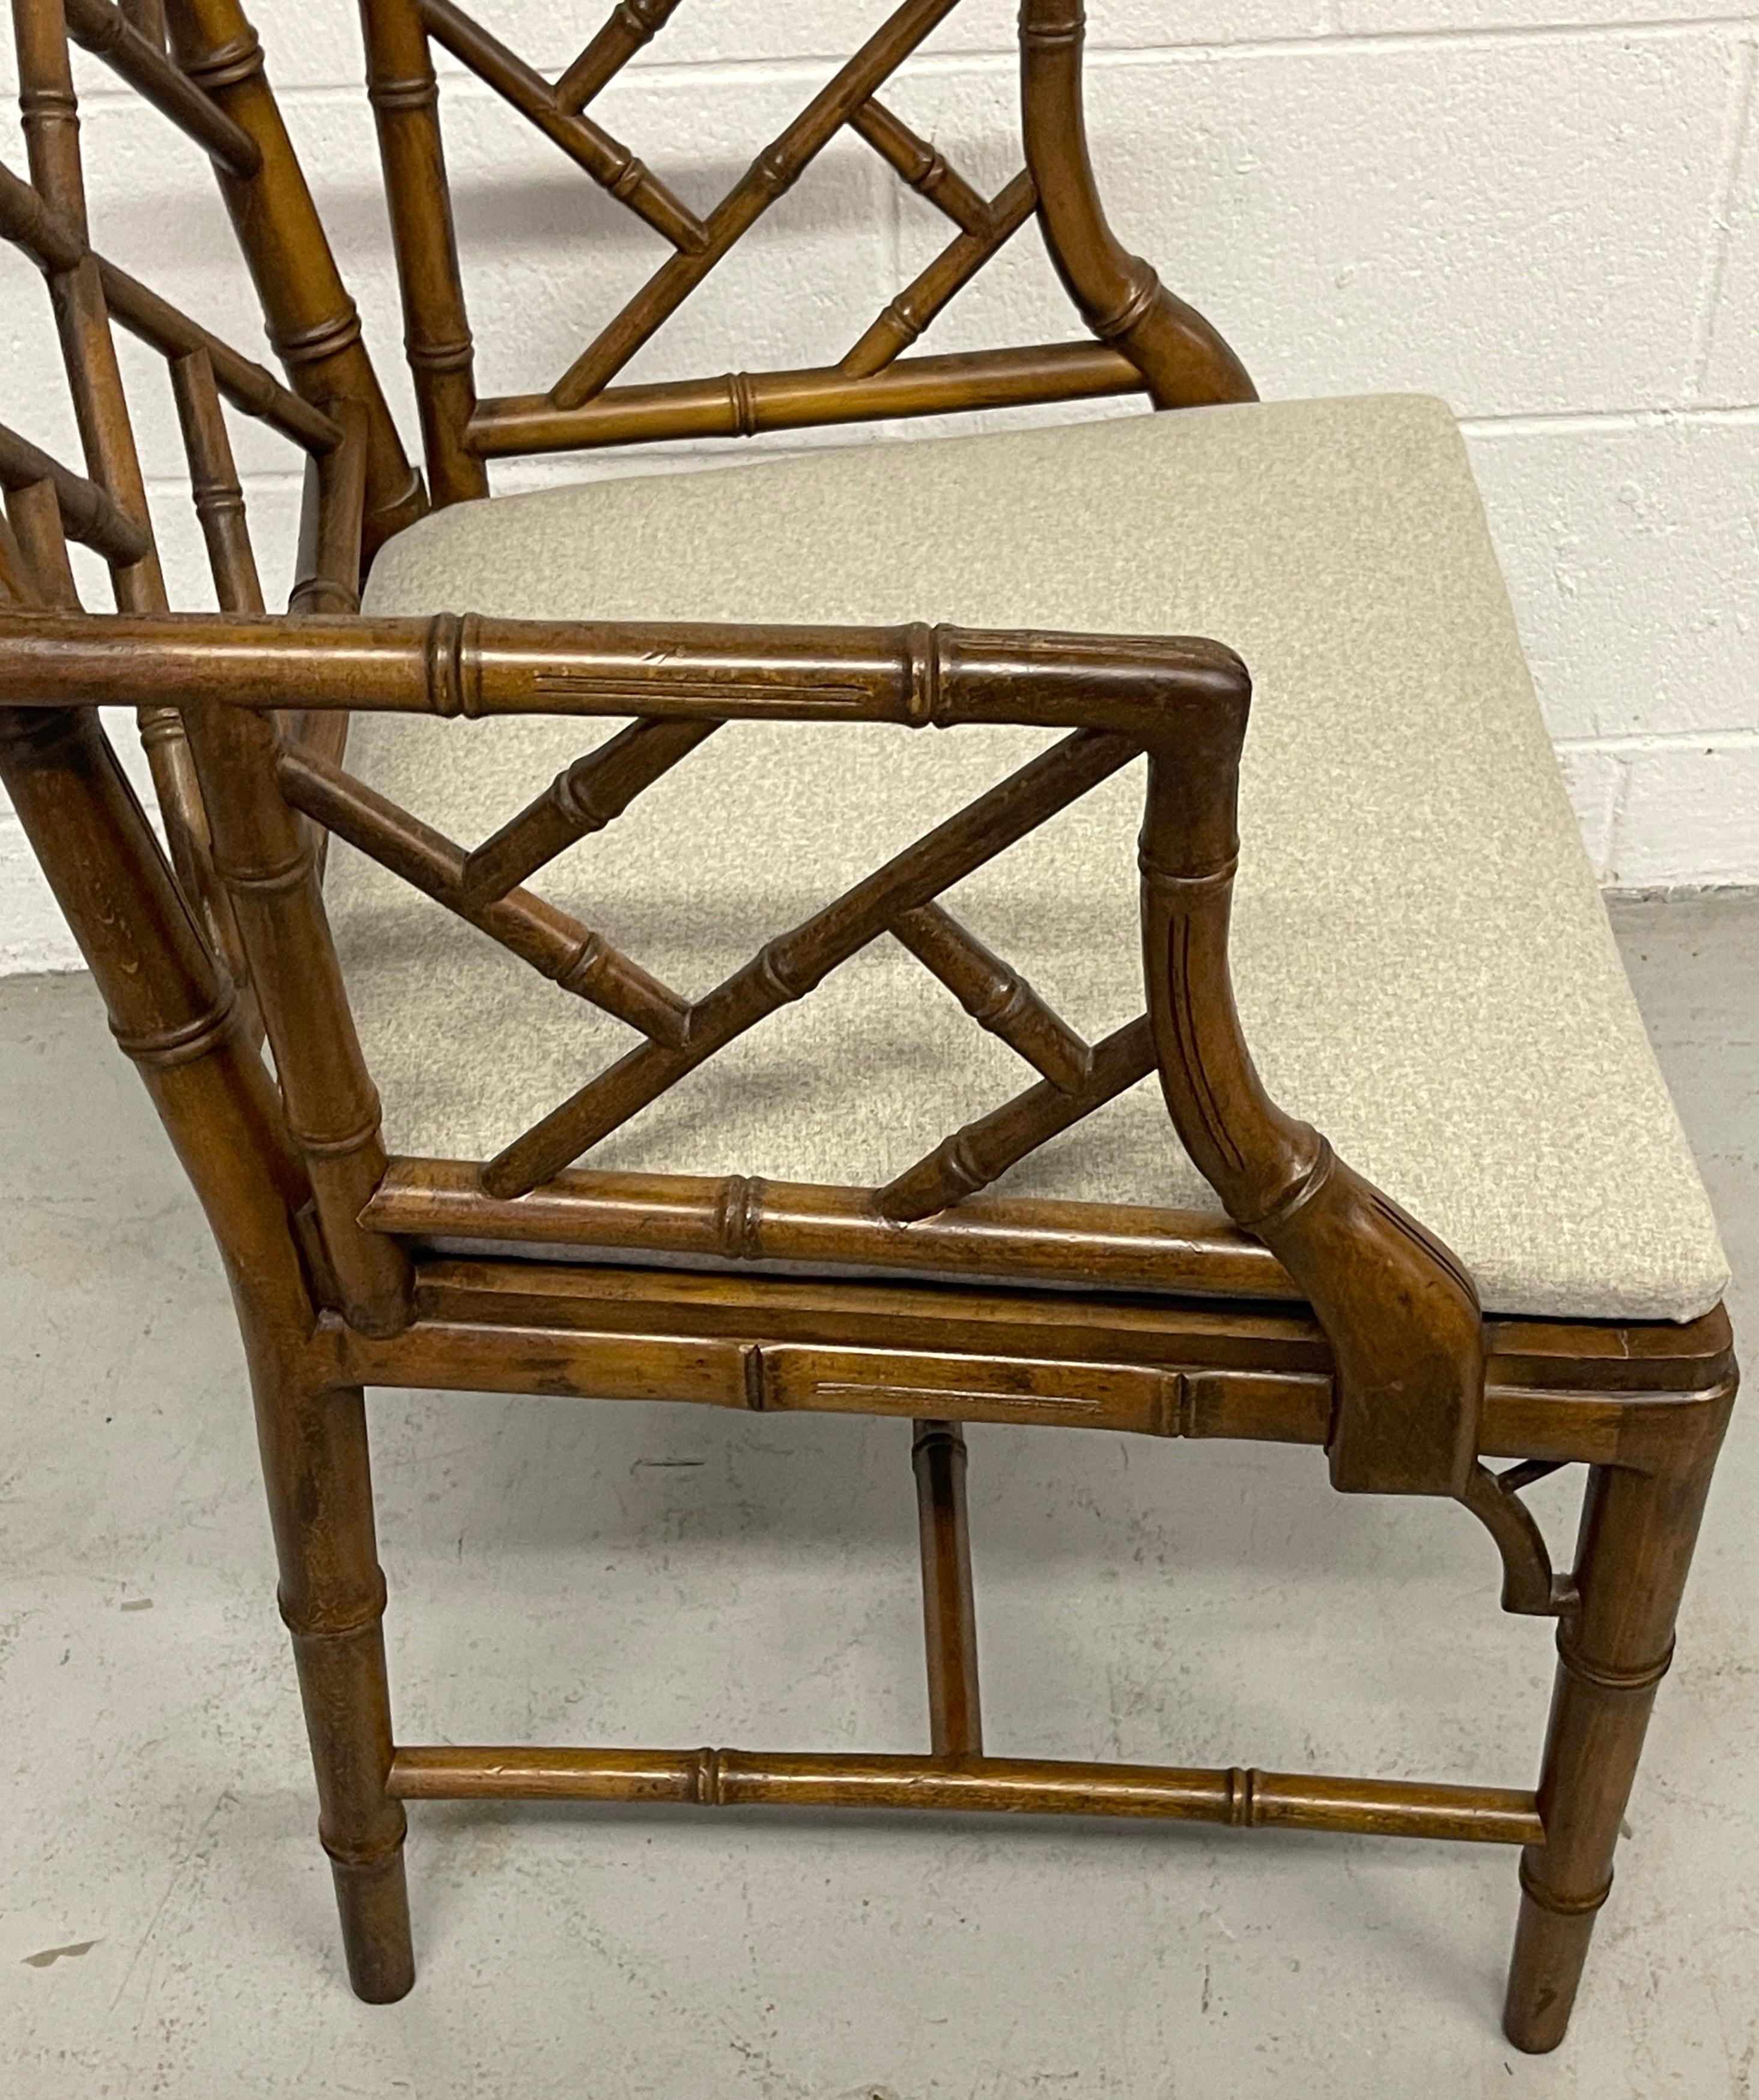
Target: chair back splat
[1316,1313]
[1147,340]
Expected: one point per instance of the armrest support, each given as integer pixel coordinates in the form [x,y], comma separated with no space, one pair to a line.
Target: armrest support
[1401,1314]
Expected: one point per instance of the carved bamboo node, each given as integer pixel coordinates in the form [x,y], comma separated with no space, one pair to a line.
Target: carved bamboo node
[933,173]
[579,969]
[706,1781]
[1010,1002]
[54,105]
[1143,288]
[572,792]
[159,726]
[627,179]
[1300,1191]
[359,1858]
[218,499]
[1168,881]
[923,699]
[741,403]
[899,316]
[739,1218]
[453,355]
[397,97]
[322,595]
[277,877]
[787,975]
[324,339]
[1605,1676]
[1242,1789]
[316,1146]
[1536,1892]
[315,1624]
[453,689]
[160,1050]
[1045,37]
[963,1172]
[227,64]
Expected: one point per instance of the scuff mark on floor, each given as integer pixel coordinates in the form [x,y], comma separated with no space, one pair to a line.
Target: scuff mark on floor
[46,1957]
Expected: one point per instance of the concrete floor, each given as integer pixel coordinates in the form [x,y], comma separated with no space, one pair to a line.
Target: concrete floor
[564,1572]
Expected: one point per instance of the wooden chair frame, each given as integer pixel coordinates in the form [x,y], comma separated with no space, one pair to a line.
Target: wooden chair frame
[1318,1313]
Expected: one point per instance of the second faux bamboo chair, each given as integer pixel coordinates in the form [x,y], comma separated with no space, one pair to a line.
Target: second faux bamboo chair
[771,986]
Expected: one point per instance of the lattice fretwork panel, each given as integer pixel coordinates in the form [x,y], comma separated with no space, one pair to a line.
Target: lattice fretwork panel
[600,397]
[92,297]
[496,886]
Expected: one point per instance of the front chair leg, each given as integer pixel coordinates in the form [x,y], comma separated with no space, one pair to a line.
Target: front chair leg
[1638,1530]
[315,1464]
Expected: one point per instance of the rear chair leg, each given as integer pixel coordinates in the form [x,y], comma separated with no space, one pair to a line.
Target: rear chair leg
[333,1599]
[1638,1530]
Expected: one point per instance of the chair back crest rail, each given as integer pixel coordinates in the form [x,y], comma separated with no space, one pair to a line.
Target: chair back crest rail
[1146,340]
[244,713]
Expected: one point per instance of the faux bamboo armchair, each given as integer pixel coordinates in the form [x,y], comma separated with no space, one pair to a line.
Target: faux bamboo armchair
[1316,1312]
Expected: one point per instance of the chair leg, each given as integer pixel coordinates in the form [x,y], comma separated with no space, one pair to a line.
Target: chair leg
[1638,1530]
[315,1467]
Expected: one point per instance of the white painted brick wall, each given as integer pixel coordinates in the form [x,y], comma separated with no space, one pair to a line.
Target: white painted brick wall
[1546,211]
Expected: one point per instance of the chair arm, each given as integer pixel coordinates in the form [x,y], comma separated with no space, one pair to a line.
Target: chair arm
[451,664]
[1402,1316]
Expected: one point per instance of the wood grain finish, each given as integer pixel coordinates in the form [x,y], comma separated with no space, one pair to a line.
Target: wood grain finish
[1316,1315]
[1244,1799]
[745,1218]
[107,33]
[451,665]
[948,1613]
[1403,1314]
[310,319]
[610,165]
[405,99]
[88,512]
[1637,1533]
[1147,339]
[744,404]
[1181,356]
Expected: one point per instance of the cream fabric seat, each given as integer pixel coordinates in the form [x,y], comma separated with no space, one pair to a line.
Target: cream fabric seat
[1423,963]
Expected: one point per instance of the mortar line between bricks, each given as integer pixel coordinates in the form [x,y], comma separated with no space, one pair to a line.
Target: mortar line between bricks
[1562,422]
[1638,742]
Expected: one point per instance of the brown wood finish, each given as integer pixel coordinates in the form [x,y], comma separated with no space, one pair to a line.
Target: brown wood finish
[1148,340]
[311,320]
[1246,1799]
[949,1611]
[1316,1315]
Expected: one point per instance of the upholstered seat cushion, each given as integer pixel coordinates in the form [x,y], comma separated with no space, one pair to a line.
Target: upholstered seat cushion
[1423,965]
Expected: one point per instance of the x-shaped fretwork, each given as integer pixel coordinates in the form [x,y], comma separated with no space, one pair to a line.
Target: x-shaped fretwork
[482,888]
[849,100]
